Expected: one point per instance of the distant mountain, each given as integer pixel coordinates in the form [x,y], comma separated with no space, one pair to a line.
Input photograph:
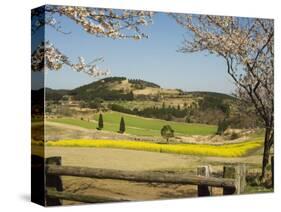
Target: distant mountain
[114,88]
[121,88]
[150,100]
[121,84]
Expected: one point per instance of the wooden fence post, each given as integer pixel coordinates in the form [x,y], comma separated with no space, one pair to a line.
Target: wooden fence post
[204,190]
[53,182]
[228,172]
[239,174]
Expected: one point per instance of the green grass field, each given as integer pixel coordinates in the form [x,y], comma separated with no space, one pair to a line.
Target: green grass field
[136,125]
[226,150]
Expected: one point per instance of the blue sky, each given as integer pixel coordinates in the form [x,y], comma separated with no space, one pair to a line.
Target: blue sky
[154,59]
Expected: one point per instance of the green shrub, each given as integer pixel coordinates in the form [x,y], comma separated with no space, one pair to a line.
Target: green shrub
[167,132]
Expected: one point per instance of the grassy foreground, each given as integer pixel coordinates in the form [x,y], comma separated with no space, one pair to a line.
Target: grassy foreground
[136,125]
[227,150]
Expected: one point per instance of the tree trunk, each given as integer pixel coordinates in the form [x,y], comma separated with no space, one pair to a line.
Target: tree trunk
[268,142]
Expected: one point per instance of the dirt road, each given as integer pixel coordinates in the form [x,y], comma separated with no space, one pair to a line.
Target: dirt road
[123,159]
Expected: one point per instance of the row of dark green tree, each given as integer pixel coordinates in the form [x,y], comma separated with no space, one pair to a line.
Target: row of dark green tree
[201,113]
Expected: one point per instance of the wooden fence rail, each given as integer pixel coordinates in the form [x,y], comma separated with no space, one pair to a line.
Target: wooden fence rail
[233,181]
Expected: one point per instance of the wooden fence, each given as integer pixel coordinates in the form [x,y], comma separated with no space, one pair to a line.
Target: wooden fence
[232,182]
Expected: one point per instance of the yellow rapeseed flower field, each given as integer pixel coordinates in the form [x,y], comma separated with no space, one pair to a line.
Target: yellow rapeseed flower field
[226,150]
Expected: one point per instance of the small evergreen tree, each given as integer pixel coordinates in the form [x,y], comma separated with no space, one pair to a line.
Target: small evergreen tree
[122,127]
[167,132]
[100,123]
[222,126]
